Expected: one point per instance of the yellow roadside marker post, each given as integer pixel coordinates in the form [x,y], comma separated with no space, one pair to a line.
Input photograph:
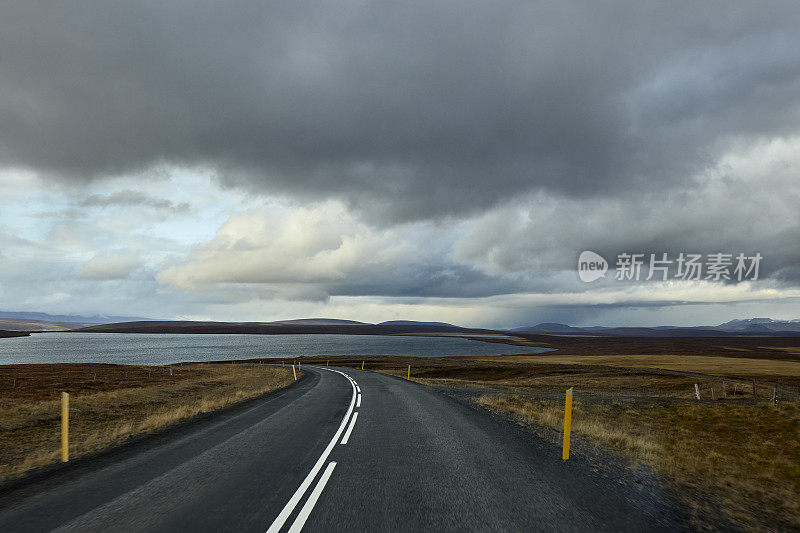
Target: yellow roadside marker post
[362,365]
[327,363]
[294,372]
[409,371]
[298,365]
[567,424]
[64,427]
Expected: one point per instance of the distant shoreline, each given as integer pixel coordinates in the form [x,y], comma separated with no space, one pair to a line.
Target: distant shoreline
[255,328]
[9,334]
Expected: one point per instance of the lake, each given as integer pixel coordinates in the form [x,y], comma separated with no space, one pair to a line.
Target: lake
[162,349]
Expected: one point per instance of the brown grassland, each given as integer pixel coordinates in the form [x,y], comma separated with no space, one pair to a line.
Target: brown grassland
[110,404]
[754,347]
[729,463]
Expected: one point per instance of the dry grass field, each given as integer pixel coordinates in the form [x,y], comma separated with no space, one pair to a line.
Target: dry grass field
[735,463]
[109,404]
[776,371]
[752,347]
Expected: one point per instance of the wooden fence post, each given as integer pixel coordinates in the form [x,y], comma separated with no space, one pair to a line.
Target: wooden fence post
[64,427]
[567,424]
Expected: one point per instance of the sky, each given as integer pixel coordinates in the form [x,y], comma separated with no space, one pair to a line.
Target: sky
[375,161]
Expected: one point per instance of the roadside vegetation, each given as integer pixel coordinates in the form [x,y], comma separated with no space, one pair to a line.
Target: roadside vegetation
[110,404]
[735,462]
[732,458]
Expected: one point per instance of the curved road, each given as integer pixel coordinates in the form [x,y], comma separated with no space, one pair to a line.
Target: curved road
[342,450]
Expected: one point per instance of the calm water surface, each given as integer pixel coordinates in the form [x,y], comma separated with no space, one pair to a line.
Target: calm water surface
[161,349]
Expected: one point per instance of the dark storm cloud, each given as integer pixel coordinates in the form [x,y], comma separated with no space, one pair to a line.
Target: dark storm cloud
[133,198]
[427,280]
[405,109]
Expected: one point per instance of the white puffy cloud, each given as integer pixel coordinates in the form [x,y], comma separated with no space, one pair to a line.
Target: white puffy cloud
[106,266]
[309,244]
[319,250]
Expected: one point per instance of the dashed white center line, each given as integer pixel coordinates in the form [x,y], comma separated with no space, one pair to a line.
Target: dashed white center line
[298,495]
[358,400]
[350,429]
[298,523]
[358,388]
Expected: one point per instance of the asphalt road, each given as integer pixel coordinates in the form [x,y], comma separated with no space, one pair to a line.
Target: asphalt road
[342,450]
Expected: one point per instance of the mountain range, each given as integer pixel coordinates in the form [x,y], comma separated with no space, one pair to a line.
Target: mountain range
[70,320]
[748,326]
[35,321]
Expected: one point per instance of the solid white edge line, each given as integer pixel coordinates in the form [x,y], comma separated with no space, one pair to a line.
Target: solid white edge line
[300,521]
[350,429]
[301,490]
[358,400]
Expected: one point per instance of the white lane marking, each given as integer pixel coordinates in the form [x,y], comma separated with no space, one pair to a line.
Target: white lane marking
[350,429]
[358,388]
[298,523]
[358,400]
[301,490]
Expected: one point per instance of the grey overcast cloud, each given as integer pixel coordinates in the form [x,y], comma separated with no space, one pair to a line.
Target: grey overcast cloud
[397,160]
